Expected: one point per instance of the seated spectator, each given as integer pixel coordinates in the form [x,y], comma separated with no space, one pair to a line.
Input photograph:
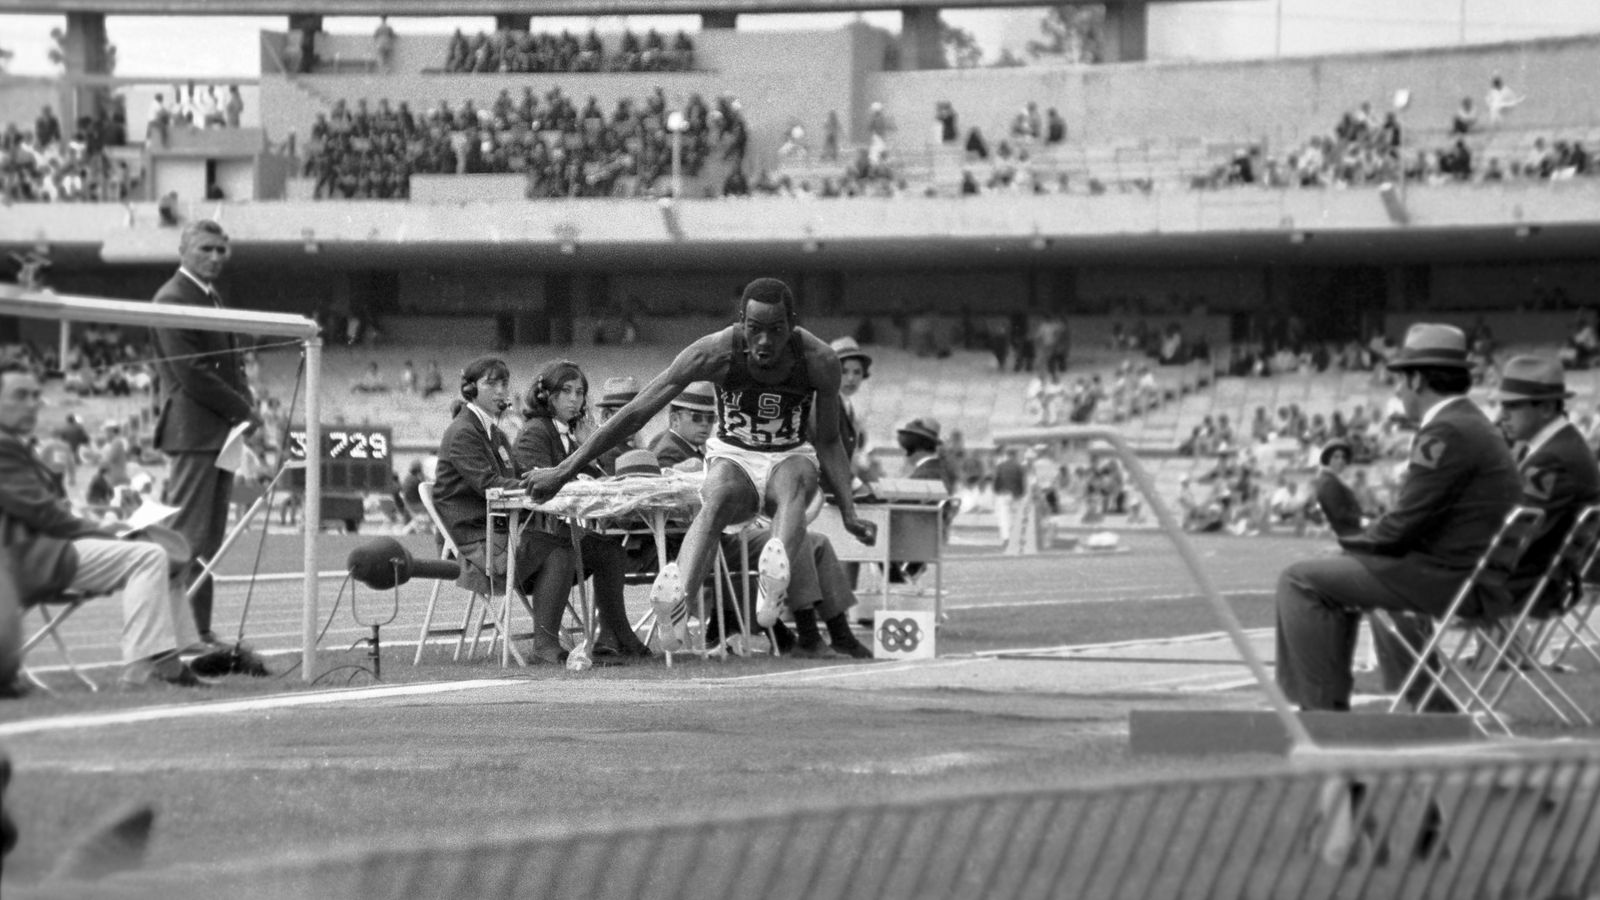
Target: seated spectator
[1559,473]
[56,551]
[1338,503]
[690,417]
[371,381]
[1465,120]
[555,417]
[433,381]
[474,455]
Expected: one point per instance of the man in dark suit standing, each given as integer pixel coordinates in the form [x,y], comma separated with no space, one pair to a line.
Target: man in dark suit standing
[1460,483]
[204,394]
[1559,472]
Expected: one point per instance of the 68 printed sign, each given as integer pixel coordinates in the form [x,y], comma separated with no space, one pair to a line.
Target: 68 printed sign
[903,634]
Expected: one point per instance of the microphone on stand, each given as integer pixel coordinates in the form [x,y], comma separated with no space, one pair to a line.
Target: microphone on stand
[383,563]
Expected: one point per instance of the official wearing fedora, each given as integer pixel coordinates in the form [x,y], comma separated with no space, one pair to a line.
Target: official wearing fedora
[615,393]
[1559,472]
[689,420]
[1460,483]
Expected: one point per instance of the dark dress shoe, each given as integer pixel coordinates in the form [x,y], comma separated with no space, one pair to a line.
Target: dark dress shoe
[169,671]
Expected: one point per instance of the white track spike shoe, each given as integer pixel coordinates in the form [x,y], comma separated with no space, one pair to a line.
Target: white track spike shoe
[772,579]
[671,608]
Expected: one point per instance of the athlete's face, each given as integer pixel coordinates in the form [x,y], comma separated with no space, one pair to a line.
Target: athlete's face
[766,333]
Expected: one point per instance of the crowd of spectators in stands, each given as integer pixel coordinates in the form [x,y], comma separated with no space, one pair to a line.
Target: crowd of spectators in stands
[48,164]
[564,150]
[1365,148]
[521,51]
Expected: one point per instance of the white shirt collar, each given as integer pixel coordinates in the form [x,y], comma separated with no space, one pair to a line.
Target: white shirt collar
[1544,435]
[483,417]
[1434,409]
[207,289]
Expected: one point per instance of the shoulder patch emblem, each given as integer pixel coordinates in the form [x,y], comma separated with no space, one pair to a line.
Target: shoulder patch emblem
[1540,484]
[1427,452]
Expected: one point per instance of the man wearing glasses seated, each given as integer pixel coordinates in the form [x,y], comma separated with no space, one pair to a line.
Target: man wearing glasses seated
[689,420]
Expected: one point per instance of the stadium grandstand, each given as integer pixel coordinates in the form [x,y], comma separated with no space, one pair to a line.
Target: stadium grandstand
[1168,285]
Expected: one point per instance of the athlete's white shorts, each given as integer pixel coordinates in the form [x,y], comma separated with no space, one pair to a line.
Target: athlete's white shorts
[758,464]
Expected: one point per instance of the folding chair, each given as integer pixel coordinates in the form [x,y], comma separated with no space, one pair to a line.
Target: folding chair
[477,601]
[66,604]
[1497,562]
[1576,620]
[1517,658]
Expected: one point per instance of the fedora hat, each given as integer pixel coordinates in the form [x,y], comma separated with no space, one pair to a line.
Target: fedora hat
[847,348]
[1334,446]
[1530,378]
[700,396]
[637,463]
[924,427]
[1429,344]
[618,391]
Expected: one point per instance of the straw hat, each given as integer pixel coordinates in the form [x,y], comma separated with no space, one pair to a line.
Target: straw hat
[637,463]
[1433,345]
[618,391]
[1532,378]
[700,396]
[924,427]
[847,348]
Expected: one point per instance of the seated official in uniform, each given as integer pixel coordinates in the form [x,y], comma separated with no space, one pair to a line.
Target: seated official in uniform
[690,416]
[50,550]
[555,420]
[1340,507]
[614,395]
[920,441]
[1559,472]
[474,456]
[1460,484]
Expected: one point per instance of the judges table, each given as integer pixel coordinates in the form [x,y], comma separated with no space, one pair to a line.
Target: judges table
[656,505]
[910,516]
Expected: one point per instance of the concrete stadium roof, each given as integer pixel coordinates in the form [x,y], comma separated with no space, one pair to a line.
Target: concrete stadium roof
[401,8]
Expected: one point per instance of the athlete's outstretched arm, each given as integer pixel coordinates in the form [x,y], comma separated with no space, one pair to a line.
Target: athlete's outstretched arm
[704,360]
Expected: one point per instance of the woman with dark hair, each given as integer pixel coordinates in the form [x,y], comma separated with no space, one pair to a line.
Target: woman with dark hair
[475,455]
[555,421]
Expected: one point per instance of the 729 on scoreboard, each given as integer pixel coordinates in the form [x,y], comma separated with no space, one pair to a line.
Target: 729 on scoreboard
[355,459]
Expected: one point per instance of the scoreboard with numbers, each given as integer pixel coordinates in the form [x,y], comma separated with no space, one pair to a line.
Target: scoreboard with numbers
[356,459]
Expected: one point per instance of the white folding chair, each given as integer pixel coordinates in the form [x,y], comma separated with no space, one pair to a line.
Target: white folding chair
[1515,655]
[1576,622]
[478,602]
[1499,559]
[65,605]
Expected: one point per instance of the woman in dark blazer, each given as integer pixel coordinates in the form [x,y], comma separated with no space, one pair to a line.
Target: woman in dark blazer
[556,420]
